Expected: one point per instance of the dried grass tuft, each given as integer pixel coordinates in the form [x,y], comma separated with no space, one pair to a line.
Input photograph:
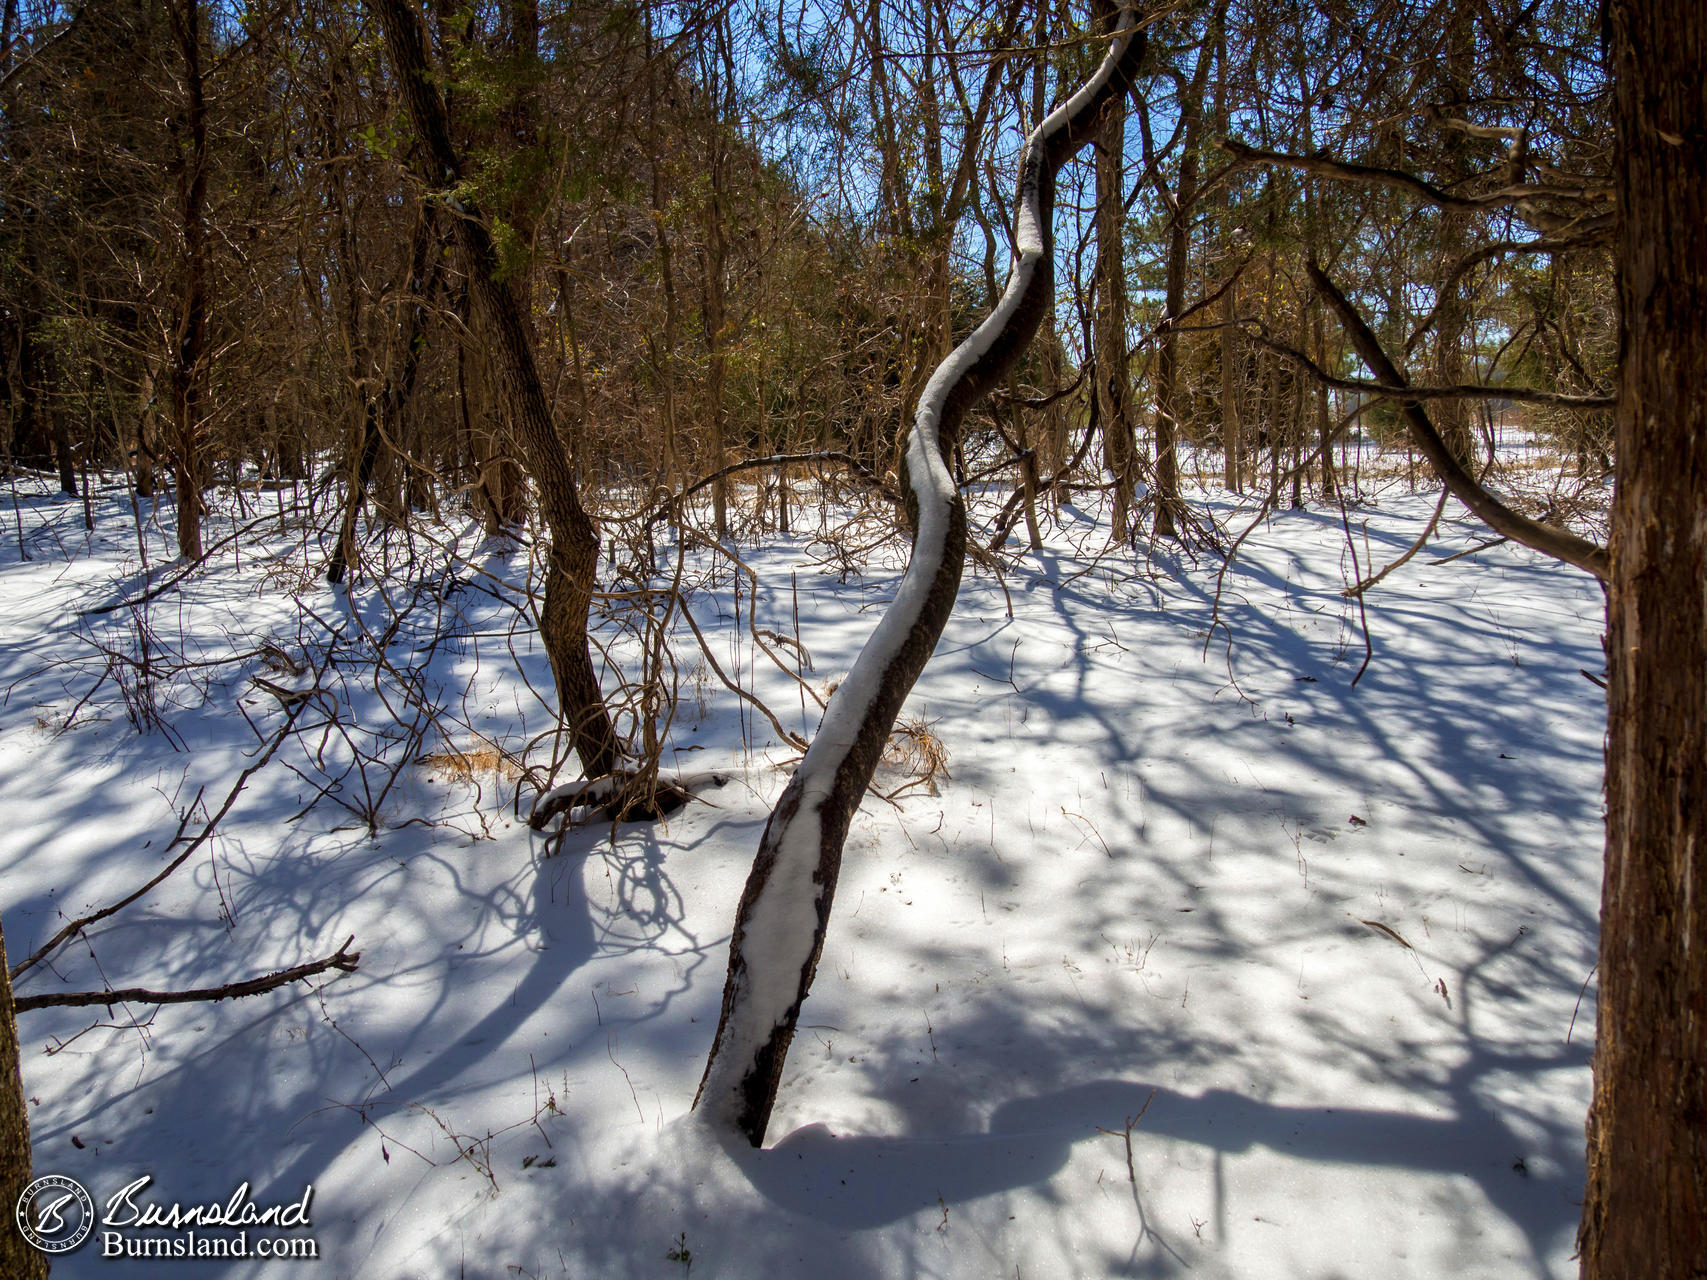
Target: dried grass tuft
[467,766]
[917,754]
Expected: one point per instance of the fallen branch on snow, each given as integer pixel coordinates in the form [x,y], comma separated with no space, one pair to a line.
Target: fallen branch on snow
[610,796]
[344,960]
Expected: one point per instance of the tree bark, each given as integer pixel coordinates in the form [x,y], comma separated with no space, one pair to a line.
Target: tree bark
[64,454]
[573,557]
[17,1258]
[714,313]
[1452,313]
[1645,1212]
[1232,371]
[663,351]
[491,460]
[1027,468]
[1324,424]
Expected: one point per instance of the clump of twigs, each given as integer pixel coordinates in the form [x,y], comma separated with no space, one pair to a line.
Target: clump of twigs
[914,752]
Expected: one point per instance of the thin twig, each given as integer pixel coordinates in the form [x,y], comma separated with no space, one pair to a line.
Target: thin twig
[1131,1124]
[1362,609]
[1358,588]
[1483,545]
[793,739]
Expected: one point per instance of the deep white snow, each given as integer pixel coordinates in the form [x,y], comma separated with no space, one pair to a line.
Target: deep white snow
[1333,943]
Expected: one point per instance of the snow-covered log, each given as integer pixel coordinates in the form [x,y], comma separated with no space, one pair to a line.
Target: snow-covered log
[785,908]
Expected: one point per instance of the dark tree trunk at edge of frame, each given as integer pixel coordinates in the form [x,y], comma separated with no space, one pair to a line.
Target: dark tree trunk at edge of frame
[1645,1211]
[17,1258]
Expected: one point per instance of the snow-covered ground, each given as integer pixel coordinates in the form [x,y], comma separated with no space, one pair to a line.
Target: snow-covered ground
[1200,960]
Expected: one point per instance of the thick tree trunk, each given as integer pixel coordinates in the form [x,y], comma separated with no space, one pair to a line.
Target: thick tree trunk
[142,455]
[64,455]
[1232,387]
[1453,416]
[1324,423]
[1232,461]
[666,362]
[1645,1213]
[664,352]
[486,436]
[1027,468]
[17,1259]
[574,554]
[1315,222]
[29,441]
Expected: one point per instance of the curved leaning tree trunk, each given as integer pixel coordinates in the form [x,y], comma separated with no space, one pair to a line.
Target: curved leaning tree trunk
[574,554]
[785,909]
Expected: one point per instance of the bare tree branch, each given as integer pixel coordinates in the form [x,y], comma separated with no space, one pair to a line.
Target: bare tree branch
[1358,588]
[1399,391]
[186,570]
[344,960]
[1558,543]
[41,48]
[1348,171]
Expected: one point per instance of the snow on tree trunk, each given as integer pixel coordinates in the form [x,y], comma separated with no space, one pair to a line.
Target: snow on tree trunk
[785,908]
